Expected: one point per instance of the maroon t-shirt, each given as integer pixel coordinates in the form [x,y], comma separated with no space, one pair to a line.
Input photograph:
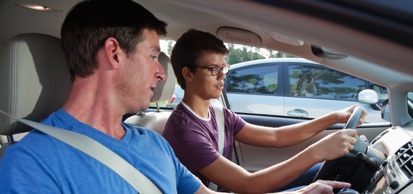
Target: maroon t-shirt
[195,139]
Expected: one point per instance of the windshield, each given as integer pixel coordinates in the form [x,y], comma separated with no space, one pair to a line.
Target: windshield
[267,82]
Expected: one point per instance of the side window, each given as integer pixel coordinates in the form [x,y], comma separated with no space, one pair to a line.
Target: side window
[310,81]
[262,79]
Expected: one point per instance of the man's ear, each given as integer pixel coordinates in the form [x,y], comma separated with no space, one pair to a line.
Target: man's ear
[113,52]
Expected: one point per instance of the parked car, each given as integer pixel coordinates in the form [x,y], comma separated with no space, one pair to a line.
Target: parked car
[369,40]
[296,87]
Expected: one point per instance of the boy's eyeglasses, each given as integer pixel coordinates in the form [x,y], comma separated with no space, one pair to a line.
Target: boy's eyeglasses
[216,70]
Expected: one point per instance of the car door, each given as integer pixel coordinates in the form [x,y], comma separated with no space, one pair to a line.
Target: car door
[253,158]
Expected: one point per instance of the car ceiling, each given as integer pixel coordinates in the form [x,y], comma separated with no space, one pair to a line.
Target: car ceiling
[254,23]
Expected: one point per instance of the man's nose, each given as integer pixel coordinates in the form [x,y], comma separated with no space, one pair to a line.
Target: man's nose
[160,75]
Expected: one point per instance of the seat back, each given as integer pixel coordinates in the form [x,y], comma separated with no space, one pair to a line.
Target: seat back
[34,81]
[163,92]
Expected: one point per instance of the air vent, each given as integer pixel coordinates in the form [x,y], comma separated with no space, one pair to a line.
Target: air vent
[404,158]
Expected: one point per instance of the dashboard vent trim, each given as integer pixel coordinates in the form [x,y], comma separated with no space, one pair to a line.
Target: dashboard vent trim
[404,158]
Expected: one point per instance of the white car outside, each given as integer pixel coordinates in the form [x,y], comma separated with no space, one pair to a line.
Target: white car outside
[295,87]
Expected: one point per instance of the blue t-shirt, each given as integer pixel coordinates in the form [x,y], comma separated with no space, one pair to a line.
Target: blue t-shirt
[40,163]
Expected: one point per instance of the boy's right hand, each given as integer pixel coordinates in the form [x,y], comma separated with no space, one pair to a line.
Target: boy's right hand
[335,145]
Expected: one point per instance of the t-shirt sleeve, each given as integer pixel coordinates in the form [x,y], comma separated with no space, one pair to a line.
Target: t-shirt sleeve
[21,171]
[233,121]
[186,181]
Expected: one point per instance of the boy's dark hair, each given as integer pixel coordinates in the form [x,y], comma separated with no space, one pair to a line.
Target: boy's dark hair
[189,49]
[91,22]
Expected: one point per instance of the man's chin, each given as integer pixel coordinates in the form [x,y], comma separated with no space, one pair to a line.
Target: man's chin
[145,107]
[139,109]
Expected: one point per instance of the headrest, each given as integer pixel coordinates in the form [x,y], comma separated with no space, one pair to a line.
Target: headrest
[34,80]
[164,90]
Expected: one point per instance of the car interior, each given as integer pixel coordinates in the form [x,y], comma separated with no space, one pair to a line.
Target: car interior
[371,40]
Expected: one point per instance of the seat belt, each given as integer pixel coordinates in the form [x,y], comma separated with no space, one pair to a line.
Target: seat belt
[219,115]
[91,147]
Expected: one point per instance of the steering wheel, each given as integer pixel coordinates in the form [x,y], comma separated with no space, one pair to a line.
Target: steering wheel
[349,168]
[354,118]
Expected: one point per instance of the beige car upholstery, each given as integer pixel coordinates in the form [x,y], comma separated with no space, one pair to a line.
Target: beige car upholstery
[163,92]
[34,80]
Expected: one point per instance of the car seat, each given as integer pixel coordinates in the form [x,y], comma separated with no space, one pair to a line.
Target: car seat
[163,92]
[34,81]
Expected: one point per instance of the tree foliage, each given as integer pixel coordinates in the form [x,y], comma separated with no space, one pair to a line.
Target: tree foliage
[239,53]
[244,53]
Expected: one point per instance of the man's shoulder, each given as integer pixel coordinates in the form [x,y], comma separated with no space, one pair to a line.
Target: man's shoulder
[35,143]
[139,129]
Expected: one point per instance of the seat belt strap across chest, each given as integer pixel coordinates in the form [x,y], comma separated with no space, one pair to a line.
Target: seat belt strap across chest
[91,147]
[219,115]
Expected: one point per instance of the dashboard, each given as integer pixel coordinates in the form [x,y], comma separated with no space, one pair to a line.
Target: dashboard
[395,174]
